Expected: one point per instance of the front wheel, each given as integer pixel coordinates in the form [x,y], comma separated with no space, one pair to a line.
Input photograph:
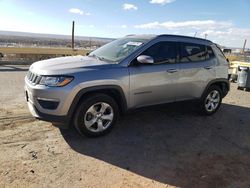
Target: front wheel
[96,115]
[211,100]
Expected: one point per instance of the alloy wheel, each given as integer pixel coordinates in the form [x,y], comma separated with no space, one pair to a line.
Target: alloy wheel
[212,101]
[98,117]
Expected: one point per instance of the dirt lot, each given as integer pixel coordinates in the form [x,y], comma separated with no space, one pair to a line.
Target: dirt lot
[166,146]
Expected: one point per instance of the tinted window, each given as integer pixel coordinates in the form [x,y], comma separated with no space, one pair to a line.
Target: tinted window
[192,52]
[210,53]
[162,52]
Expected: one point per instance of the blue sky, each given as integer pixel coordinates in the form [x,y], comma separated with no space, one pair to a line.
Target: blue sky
[226,22]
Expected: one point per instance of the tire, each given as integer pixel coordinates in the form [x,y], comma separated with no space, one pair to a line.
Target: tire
[96,115]
[208,107]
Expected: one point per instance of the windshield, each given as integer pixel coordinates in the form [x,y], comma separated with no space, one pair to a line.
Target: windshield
[118,50]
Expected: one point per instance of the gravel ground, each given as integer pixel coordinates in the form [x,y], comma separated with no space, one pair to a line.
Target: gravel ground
[164,146]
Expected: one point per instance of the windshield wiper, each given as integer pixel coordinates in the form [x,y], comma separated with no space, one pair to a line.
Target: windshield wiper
[93,55]
[105,59]
[100,58]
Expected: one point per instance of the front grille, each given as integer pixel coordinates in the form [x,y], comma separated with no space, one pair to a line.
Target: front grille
[33,78]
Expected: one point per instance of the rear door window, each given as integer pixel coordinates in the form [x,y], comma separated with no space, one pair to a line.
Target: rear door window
[190,52]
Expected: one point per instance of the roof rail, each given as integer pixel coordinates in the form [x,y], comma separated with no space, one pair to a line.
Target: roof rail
[182,36]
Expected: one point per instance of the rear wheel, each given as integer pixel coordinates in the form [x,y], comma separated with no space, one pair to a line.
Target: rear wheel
[211,100]
[96,115]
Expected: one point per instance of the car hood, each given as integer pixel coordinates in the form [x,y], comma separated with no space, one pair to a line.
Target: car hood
[65,65]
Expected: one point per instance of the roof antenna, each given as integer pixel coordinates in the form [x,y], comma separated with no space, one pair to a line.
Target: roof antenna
[195,34]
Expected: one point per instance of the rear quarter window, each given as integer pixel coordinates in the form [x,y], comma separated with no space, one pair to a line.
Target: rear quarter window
[221,57]
[210,53]
[219,52]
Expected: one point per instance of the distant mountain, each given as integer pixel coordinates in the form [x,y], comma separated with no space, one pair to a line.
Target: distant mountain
[54,36]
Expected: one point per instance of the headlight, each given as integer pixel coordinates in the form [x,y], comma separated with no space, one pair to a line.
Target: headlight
[55,81]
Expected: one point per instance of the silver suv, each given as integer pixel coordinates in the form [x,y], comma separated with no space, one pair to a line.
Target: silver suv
[91,91]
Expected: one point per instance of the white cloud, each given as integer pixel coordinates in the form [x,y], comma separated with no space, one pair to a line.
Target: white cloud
[231,37]
[161,2]
[221,32]
[228,33]
[128,6]
[197,24]
[78,11]
[124,26]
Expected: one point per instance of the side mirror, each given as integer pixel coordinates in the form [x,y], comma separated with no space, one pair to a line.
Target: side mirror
[145,59]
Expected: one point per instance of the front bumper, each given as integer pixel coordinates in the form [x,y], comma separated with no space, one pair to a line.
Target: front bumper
[49,103]
[47,117]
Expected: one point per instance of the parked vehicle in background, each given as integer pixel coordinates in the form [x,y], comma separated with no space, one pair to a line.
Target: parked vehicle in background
[128,73]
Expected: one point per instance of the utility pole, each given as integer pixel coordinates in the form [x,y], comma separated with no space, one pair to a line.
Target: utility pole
[244,46]
[90,43]
[73,35]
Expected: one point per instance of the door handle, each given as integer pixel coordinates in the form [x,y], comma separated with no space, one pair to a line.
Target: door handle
[172,70]
[208,67]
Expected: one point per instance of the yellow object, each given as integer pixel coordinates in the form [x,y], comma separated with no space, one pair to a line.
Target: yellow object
[233,66]
[46,51]
[65,82]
